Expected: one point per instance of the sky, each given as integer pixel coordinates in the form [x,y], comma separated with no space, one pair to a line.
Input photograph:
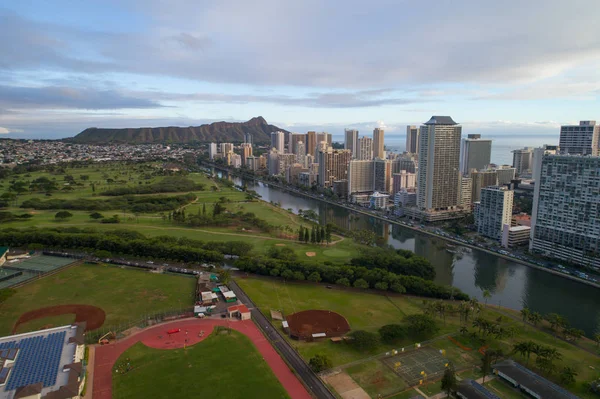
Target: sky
[500,68]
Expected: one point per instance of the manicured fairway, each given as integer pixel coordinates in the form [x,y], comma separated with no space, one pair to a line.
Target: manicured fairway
[221,366]
[124,294]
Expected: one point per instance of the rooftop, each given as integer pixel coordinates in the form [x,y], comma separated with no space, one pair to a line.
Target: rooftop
[473,390]
[535,383]
[238,308]
[441,120]
[3,250]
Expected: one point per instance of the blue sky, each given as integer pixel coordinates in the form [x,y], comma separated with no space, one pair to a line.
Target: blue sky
[498,68]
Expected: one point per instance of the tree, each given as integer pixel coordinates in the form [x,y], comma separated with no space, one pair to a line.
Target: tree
[360,283]
[96,215]
[314,277]
[224,276]
[382,286]
[317,235]
[486,295]
[398,288]
[306,235]
[421,325]
[449,383]
[322,234]
[287,274]
[597,338]
[301,234]
[526,348]
[204,209]
[319,363]
[391,333]
[299,276]
[555,320]
[63,215]
[525,312]
[567,376]
[486,365]
[328,233]
[364,340]
[535,318]
[343,281]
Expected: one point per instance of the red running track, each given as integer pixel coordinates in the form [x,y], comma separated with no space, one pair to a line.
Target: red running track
[156,337]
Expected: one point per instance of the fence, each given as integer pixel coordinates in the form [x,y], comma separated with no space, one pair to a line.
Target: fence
[147,320]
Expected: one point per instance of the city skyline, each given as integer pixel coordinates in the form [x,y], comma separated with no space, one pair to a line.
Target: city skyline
[68,66]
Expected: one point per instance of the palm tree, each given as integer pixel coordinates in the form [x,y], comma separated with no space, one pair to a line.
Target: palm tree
[224,276]
[535,318]
[567,376]
[464,330]
[486,296]
[597,339]
[525,312]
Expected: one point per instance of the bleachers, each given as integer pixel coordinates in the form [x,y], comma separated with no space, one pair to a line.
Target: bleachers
[38,360]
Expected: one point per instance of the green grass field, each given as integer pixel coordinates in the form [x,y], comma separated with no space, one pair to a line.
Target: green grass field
[124,294]
[221,366]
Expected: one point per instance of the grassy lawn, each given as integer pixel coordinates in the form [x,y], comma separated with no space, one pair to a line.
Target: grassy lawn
[124,294]
[222,366]
[376,378]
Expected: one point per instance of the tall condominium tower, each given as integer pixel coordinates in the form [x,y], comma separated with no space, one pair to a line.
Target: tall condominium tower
[364,149]
[351,141]
[246,150]
[378,143]
[248,138]
[412,139]
[212,150]
[333,165]
[565,220]
[383,175]
[580,139]
[494,211]
[475,153]
[361,175]
[439,156]
[522,160]
[278,141]
[311,143]
[297,137]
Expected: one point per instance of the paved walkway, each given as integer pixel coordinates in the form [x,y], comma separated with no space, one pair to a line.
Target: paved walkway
[156,337]
[89,390]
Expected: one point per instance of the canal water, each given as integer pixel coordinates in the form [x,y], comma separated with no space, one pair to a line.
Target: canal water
[511,284]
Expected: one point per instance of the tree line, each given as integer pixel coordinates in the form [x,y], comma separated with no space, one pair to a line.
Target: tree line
[172,184]
[315,235]
[124,242]
[396,261]
[282,262]
[125,203]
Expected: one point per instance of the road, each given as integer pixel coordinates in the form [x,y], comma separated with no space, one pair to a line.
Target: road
[292,358]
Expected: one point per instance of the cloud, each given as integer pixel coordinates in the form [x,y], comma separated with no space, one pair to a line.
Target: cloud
[269,42]
[4,130]
[57,97]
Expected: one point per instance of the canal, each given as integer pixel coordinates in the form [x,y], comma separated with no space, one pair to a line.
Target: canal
[510,284]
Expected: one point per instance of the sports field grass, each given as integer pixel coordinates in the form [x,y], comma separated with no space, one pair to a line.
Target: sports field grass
[376,378]
[363,311]
[221,366]
[124,294]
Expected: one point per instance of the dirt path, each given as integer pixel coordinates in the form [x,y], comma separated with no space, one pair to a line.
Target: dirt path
[155,337]
[89,390]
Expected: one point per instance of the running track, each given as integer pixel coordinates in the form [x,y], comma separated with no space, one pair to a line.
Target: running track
[107,355]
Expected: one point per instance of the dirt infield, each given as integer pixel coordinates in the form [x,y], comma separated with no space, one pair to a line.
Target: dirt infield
[308,322]
[92,315]
[107,355]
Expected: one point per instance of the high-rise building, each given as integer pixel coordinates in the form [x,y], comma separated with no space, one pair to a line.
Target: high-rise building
[285,161]
[235,160]
[246,149]
[297,137]
[300,152]
[364,150]
[311,143]
[351,141]
[278,141]
[412,139]
[475,153]
[404,162]
[226,148]
[333,165]
[580,139]
[322,137]
[402,180]
[482,179]
[505,174]
[248,139]
[361,175]
[466,192]
[565,220]
[253,163]
[383,175]
[494,211]
[212,151]
[273,162]
[522,160]
[539,153]
[379,200]
[439,156]
[378,148]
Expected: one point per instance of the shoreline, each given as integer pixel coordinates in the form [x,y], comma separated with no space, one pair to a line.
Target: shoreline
[453,241]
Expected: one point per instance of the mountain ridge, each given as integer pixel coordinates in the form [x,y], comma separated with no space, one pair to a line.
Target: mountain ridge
[217,131]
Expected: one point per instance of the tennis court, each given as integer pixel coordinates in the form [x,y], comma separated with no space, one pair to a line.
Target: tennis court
[417,366]
[40,264]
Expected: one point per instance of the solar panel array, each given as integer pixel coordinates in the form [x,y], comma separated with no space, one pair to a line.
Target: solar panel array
[483,390]
[38,360]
